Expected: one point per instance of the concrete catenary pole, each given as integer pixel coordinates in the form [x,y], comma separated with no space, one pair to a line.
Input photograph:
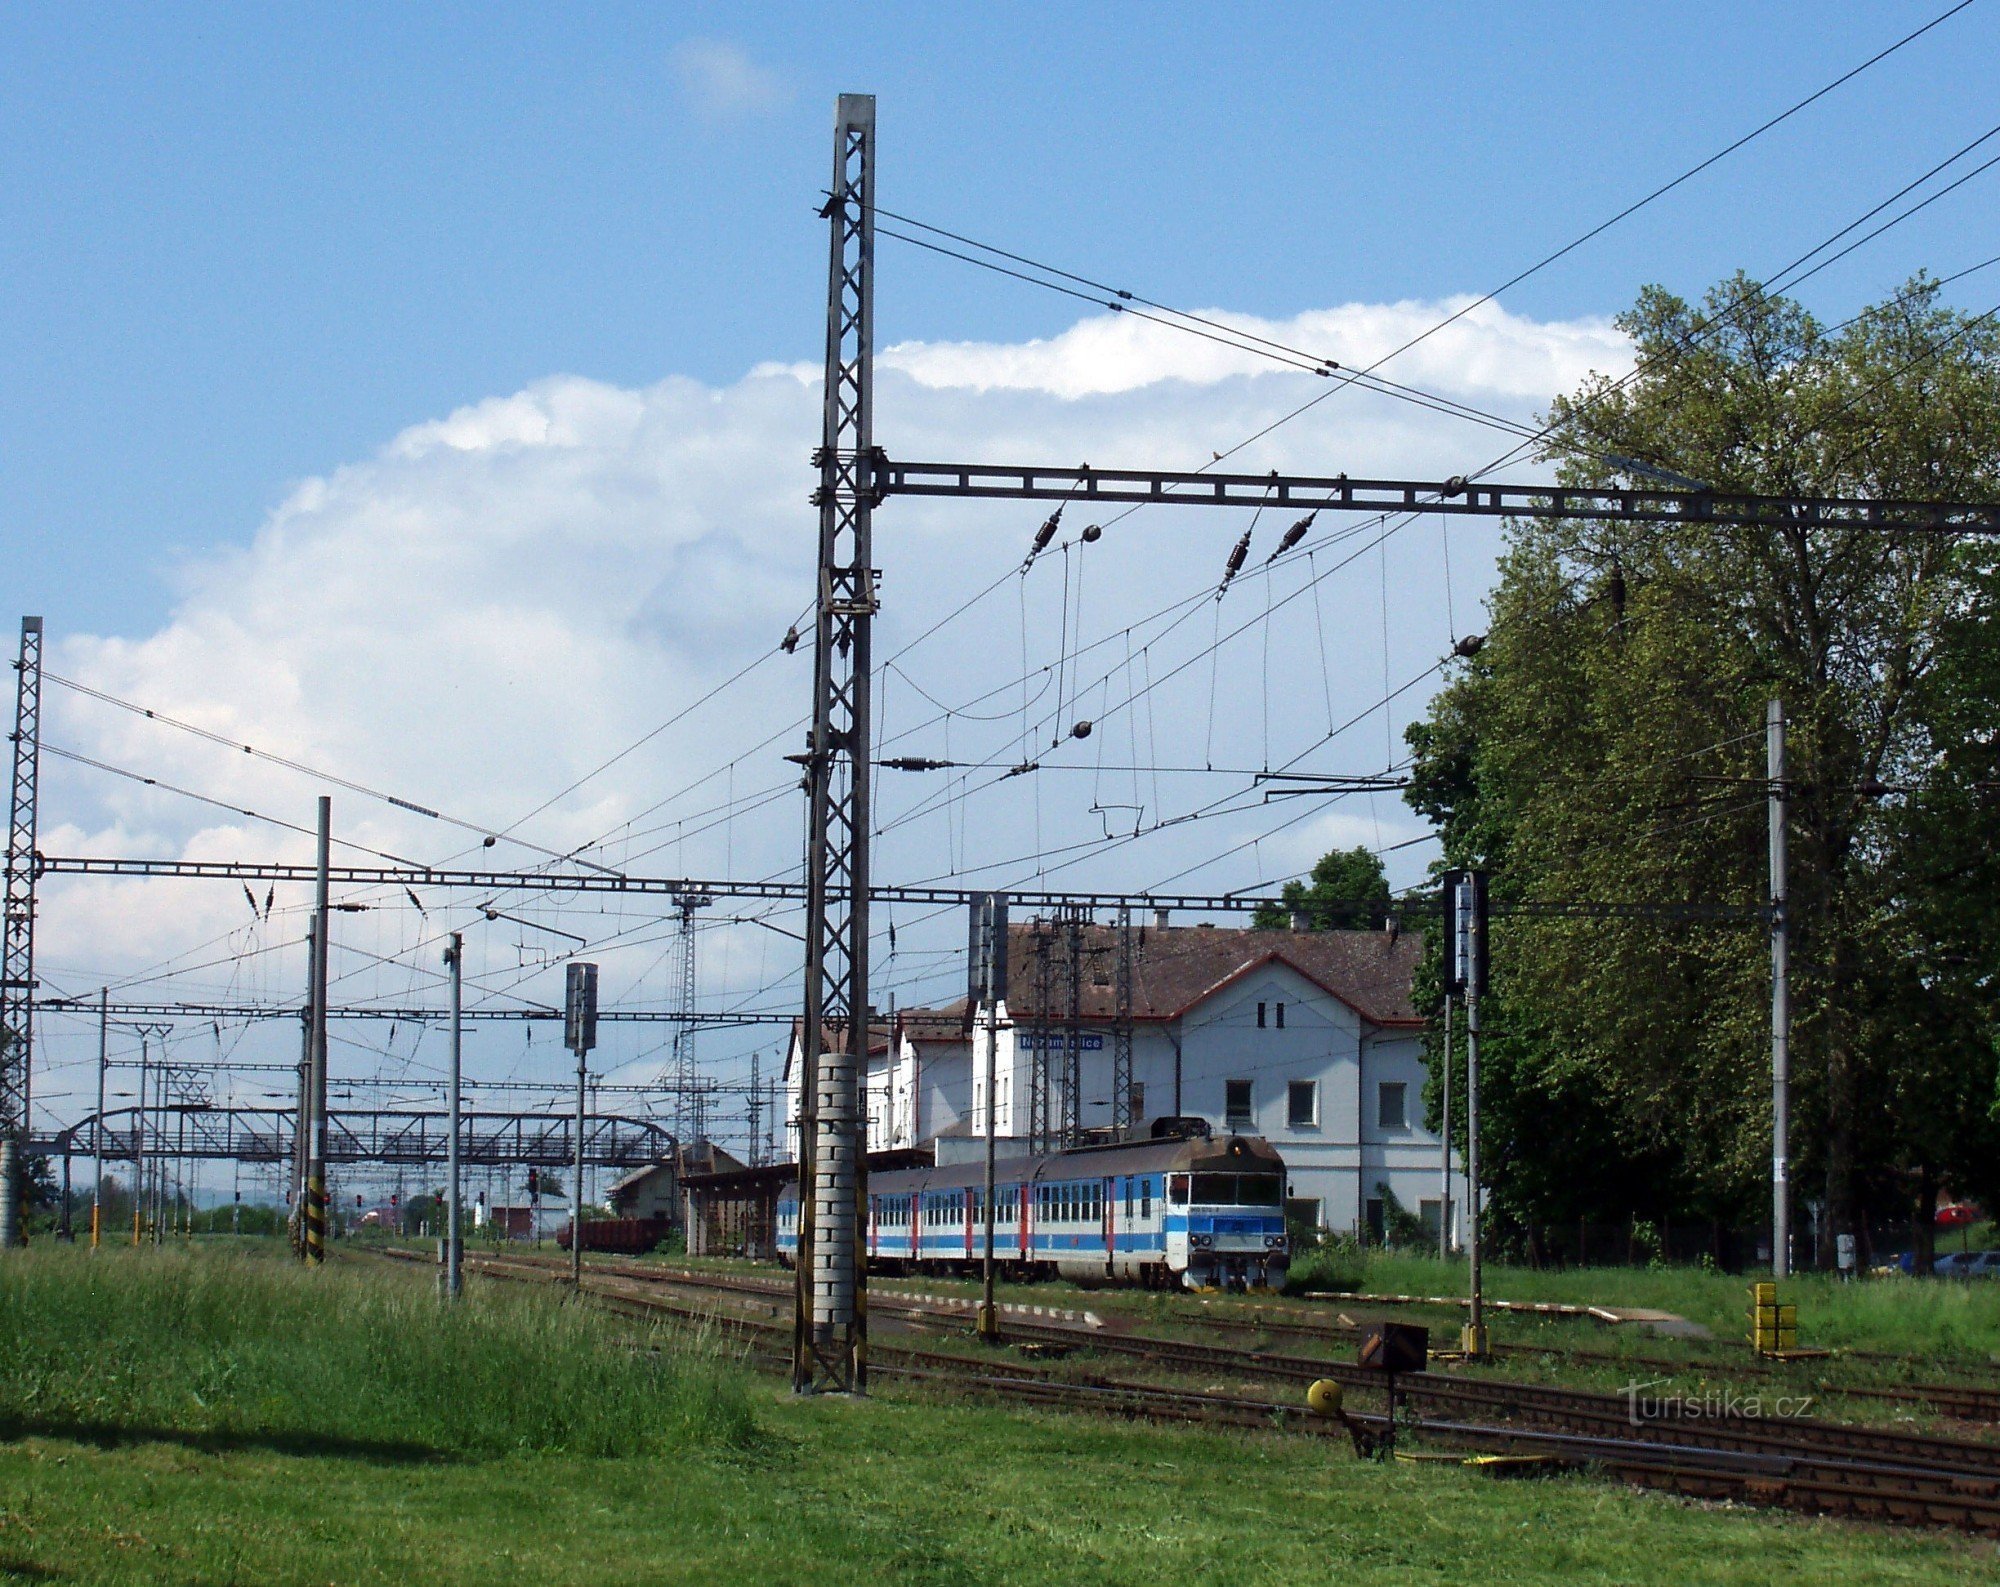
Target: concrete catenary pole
[97,1127]
[1444,1131]
[1475,974]
[1781,999]
[302,1123]
[315,1221]
[454,1277]
[139,1138]
[576,1186]
[989,947]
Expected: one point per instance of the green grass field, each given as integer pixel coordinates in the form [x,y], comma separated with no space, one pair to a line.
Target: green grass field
[219,1416]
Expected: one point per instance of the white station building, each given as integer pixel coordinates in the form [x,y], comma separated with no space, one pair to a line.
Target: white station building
[1308,1039]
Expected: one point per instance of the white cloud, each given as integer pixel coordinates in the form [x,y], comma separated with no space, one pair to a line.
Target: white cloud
[499,600]
[1486,353]
[722,81]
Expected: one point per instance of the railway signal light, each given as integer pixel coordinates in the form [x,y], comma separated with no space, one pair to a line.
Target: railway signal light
[580,1008]
[1465,953]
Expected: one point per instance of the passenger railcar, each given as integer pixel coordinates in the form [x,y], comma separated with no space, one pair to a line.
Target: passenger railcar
[1184,1210]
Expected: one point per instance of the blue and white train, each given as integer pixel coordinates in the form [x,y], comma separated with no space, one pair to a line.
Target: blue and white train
[1179,1209]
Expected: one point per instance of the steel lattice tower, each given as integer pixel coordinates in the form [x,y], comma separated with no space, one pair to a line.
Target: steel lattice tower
[1121,1029]
[1038,1037]
[17,950]
[829,1347]
[687,1113]
[1073,922]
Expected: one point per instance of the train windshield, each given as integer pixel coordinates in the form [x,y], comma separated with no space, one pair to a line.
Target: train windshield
[1238,1190]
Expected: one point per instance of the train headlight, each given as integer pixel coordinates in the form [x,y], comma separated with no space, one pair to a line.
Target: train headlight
[1201,1242]
[1273,1241]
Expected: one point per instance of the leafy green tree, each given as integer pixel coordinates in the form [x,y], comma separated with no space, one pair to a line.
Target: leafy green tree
[1347,892]
[1606,745]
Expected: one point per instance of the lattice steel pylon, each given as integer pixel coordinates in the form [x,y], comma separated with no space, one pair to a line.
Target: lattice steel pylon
[1039,1039]
[1073,923]
[17,932]
[687,1114]
[1121,1029]
[830,1323]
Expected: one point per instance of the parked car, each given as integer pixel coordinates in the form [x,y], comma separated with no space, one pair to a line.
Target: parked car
[1968,1264]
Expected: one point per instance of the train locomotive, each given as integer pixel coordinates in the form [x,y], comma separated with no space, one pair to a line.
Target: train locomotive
[1179,1209]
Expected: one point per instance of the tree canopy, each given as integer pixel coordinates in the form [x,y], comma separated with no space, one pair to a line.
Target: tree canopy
[1606,745]
[1347,892]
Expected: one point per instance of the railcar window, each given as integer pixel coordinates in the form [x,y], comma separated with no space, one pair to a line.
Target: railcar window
[1234,1190]
[1146,1197]
[1177,1190]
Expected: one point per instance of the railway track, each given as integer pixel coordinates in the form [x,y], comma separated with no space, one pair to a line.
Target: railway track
[1816,1468]
[1546,1405]
[1965,1402]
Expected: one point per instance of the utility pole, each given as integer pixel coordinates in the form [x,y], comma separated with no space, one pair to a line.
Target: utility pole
[830,1319]
[1465,973]
[580,1031]
[17,934]
[454,1278]
[302,1124]
[1444,1130]
[315,1218]
[988,986]
[97,1127]
[754,1157]
[1781,998]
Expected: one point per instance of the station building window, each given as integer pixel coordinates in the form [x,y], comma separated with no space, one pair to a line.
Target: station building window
[1236,1104]
[1302,1104]
[1390,1109]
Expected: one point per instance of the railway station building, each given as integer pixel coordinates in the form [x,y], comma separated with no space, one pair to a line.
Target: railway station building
[1306,1038]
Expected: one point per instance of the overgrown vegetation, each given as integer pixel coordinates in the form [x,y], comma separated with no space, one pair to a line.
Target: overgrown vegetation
[236,1347]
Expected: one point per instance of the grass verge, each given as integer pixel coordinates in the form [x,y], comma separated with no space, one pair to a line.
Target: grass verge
[893,1490]
[236,1347]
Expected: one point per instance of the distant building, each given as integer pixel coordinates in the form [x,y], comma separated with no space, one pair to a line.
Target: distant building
[654,1190]
[1308,1039]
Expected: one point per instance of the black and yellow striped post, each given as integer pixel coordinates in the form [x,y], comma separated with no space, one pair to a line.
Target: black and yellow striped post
[314,1219]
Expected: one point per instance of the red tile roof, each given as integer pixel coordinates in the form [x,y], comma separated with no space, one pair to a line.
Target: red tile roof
[1179,966]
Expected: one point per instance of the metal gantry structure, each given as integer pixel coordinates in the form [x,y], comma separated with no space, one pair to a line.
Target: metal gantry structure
[17,950]
[207,1131]
[830,1330]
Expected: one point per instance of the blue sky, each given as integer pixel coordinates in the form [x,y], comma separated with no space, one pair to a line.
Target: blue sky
[246,243]
[425,394]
